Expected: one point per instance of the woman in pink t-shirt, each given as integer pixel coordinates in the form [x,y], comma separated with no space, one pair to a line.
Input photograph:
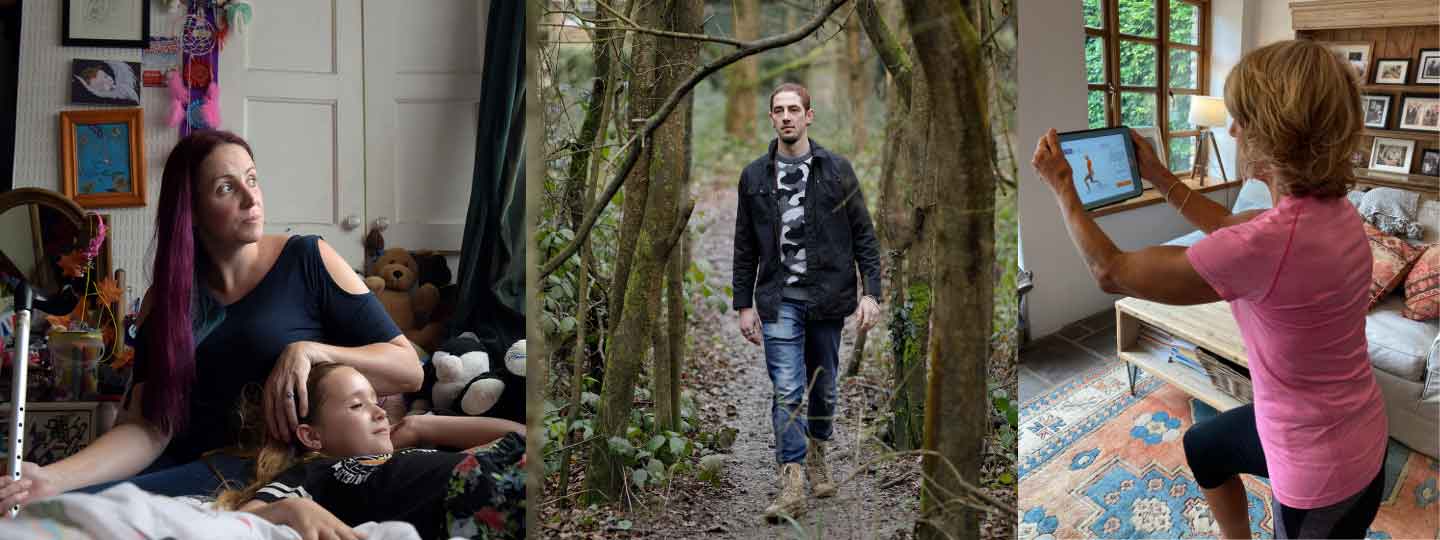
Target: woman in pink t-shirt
[1297,278]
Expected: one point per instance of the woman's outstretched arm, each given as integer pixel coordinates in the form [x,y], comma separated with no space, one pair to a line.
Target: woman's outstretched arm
[451,431]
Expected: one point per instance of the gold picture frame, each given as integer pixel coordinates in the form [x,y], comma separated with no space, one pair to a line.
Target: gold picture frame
[102,157]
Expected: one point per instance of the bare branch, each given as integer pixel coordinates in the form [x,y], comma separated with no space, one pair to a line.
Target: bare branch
[667,33]
[633,154]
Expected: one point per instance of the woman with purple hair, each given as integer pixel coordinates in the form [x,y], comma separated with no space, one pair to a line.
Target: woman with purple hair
[230,307]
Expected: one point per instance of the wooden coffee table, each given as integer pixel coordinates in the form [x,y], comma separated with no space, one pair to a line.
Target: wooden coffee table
[1210,326]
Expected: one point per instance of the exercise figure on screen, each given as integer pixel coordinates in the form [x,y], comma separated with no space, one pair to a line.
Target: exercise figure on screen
[1089,173]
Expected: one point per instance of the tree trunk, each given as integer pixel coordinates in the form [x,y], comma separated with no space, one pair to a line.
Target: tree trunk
[666,167]
[643,101]
[947,48]
[741,79]
[857,85]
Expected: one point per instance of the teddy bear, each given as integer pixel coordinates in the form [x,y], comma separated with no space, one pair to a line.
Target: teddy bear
[393,279]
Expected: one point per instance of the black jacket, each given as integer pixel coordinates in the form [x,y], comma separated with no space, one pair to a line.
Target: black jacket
[839,237]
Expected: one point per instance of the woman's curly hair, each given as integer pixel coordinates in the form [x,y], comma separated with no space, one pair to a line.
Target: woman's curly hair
[1299,113]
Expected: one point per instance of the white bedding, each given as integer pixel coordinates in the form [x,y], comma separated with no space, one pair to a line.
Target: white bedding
[125,512]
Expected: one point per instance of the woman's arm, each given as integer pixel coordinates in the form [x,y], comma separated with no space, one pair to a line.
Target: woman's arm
[451,431]
[1195,207]
[392,366]
[1162,273]
[305,516]
[120,453]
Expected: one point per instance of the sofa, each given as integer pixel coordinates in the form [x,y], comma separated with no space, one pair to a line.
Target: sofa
[1405,353]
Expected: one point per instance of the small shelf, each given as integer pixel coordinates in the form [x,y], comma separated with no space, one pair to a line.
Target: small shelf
[1414,182]
[1401,88]
[1155,360]
[1422,136]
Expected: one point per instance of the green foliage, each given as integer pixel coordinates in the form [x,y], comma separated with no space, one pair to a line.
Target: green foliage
[1139,64]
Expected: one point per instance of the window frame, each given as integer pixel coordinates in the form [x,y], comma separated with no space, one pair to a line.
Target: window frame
[1112,89]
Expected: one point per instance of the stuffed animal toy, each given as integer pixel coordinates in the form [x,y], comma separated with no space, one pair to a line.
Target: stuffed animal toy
[453,375]
[393,280]
[500,393]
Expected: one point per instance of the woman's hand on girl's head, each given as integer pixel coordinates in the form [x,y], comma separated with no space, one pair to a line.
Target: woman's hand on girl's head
[1049,162]
[35,483]
[285,399]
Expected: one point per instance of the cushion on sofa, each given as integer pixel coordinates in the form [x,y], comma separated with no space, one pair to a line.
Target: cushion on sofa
[1392,259]
[1422,287]
[1398,345]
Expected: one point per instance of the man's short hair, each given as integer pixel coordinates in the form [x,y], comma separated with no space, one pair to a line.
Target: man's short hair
[797,88]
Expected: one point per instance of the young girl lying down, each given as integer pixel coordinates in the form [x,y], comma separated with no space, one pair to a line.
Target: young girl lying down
[347,467]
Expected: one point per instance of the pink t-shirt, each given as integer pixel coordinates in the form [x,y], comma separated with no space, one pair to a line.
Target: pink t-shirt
[1298,279]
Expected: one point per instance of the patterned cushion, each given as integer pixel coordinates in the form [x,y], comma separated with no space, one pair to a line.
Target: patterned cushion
[1422,287]
[1392,258]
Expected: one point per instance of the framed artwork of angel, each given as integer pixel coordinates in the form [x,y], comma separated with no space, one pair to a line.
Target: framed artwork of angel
[105,82]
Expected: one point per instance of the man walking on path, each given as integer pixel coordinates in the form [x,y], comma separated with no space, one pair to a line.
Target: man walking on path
[801,232]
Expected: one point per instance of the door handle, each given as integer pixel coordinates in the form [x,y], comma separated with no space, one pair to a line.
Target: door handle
[350,223]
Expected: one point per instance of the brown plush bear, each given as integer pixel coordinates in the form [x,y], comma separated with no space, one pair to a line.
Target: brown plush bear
[393,280]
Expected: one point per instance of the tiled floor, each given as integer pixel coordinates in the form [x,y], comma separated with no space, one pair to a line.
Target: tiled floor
[1075,349]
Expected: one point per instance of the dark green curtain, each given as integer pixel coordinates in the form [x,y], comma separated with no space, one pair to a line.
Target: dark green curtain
[492,257]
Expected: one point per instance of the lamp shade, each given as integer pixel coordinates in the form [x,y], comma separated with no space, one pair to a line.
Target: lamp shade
[1208,111]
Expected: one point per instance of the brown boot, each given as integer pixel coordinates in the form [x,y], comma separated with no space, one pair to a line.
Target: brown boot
[820,484]
[791,501]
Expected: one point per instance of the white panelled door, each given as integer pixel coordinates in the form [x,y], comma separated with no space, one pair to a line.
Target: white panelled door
[292,86]
[423,65]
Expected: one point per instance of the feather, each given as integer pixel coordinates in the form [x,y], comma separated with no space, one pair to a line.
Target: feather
[211,109]
[179,98]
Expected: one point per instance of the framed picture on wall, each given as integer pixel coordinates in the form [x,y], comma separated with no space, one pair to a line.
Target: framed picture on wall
[1430,162]
[1377,109]
[1354,53]
[1391,70]
[102,157]
[1419,113]
[1392,155]
[105,23]
[1427,67]
[105,82]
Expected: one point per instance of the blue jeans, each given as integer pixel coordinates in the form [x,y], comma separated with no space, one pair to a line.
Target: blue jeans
[798,352]
[168,477]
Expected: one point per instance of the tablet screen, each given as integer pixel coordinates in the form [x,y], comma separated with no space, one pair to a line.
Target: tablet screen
[1103,162]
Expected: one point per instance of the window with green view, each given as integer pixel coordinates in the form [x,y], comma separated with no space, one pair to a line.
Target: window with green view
[1143,61]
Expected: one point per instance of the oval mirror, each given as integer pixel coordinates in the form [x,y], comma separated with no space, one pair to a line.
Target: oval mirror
[38,229]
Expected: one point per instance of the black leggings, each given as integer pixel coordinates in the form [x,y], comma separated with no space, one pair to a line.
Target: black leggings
[1228,445]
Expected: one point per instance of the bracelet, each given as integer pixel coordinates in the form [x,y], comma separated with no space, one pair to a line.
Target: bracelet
[1181,210]
[1172,188]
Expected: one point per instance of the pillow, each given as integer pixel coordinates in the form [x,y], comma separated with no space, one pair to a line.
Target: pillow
[1254,194]
[1422,287]
[1430,222]
[1392,258]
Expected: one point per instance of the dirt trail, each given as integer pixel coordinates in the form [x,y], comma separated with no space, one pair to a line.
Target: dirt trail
[728,376]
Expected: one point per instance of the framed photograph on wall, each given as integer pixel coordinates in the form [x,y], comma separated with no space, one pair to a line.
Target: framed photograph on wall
[1392,155]
[1419,113]
[1430,162]
[105,23]
[1377,109]
[1427,67]
[1391,70]
[105,82]
[102,157]
[1354,53]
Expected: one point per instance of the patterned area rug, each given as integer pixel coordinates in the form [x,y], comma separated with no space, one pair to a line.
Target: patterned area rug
[1096,462]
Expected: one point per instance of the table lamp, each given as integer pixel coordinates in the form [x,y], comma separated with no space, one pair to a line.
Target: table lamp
[1207,112]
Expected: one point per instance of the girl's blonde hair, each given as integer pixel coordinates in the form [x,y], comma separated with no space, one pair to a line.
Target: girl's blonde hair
[275,457]
[1298,106]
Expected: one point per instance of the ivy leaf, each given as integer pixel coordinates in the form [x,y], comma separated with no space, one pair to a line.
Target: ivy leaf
[639,476]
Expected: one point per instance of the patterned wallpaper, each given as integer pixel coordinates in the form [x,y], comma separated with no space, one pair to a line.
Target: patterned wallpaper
[43,93]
